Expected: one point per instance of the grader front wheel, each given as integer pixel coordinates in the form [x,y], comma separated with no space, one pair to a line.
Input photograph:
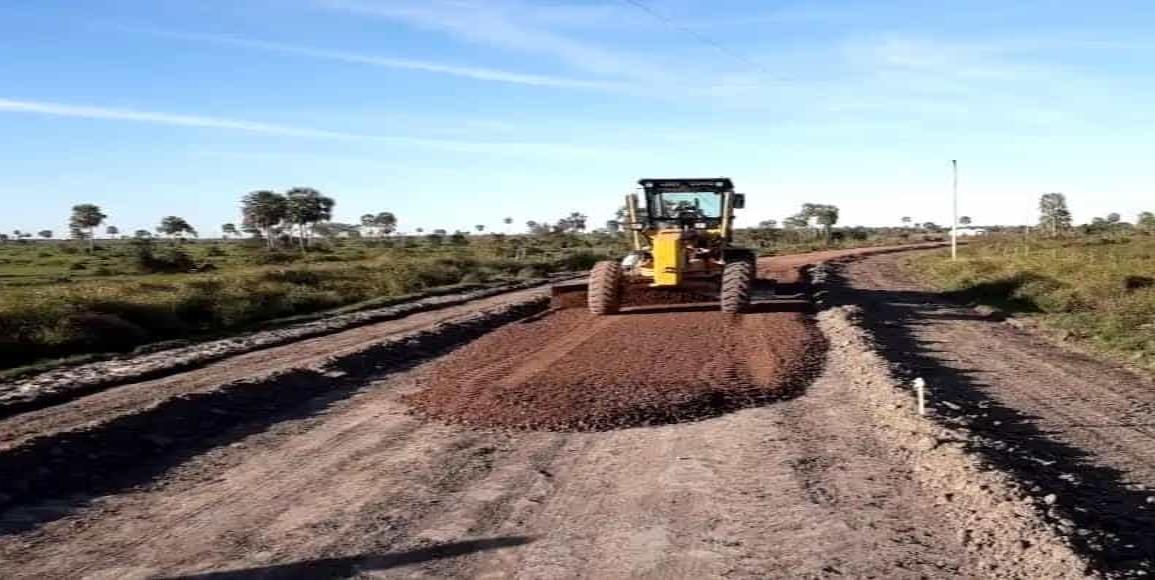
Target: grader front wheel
[605,289]
[737,277]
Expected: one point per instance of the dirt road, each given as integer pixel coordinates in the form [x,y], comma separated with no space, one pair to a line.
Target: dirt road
[1065,423]
[336,476]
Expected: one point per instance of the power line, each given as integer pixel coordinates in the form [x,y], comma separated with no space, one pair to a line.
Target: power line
[699,37]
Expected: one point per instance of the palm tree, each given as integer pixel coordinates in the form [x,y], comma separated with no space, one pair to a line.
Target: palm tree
[262,211]
[906,221]
[85,218]
[965,220]
[173,226]
[306,207]
[479,227]
[45,234]
[112,231]
[229,229]
[384,223]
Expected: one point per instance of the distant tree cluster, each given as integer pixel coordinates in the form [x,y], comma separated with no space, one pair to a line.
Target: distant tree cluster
[268,213]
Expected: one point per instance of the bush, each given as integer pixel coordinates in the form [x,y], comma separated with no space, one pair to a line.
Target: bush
[579,261]
[101,332]
[272,257]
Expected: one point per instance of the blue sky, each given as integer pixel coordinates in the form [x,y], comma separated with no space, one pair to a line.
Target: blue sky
[457,112]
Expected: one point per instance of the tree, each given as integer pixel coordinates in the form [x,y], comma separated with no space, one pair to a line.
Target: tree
[796,221]
[531,226]
[333,230]
[229,229]
[142,234]
[3,237]
[304,208]
[479,227]
[45,234]
[1053,213]
[262,211]
[420,230]
[384,223]
[768,224]
[965,220]
[112,231]
[613,226]
[575,222]
[173,226]
[508,222]
[84,221]
[906,221]
[823,215]
[1114,218]
[1146,222]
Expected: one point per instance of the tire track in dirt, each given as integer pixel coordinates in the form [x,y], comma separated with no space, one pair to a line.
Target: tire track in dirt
[1076,430]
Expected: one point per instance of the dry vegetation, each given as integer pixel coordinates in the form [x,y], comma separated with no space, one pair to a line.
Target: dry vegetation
[1099,290]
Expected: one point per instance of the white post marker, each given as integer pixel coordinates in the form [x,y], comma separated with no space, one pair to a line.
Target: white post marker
[920,388]
[954,226]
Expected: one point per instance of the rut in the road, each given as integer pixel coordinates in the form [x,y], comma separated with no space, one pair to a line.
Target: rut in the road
[572,371]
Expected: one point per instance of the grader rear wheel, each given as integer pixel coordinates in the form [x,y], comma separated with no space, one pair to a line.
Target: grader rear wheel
[605,291]
[737,277]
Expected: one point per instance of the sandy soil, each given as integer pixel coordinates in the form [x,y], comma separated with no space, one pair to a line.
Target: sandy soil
[334,476]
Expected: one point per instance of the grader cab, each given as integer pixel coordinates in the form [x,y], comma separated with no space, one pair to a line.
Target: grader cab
[682,240]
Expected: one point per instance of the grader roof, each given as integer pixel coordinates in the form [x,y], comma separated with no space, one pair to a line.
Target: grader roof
[687,184]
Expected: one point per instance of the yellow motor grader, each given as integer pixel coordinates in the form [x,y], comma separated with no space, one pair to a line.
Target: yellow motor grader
[682,239]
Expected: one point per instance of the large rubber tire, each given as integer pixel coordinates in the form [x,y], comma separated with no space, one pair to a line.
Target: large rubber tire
[605,292]
[736,279]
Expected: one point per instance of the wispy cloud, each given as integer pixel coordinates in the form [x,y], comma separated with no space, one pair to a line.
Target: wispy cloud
[198,121]
[507,25]
[471,72]
[516,148]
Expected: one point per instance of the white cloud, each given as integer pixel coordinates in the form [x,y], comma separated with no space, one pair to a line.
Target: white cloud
[205,122]
[506,25]
[113,114]
[471,72]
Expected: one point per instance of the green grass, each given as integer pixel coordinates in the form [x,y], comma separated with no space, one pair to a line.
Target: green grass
[50,309]
[1099,291]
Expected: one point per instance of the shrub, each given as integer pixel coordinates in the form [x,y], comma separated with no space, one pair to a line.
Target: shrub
[99,332]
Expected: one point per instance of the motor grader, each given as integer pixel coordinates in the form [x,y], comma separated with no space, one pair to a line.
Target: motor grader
[682,240]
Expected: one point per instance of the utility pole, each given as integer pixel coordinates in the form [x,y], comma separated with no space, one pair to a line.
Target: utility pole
[954,226]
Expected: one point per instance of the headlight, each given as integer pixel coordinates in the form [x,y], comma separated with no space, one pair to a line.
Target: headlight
[700,225]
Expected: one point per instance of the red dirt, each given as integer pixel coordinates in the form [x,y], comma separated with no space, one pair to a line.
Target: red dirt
[667,362]
[569,370]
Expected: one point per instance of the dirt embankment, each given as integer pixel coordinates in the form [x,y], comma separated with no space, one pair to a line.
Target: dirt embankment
[69,382]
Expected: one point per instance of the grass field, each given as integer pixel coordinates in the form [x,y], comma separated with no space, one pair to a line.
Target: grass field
[59,300]
[1099,291]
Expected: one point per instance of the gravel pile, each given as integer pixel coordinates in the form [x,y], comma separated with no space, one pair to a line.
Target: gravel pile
[570,371]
